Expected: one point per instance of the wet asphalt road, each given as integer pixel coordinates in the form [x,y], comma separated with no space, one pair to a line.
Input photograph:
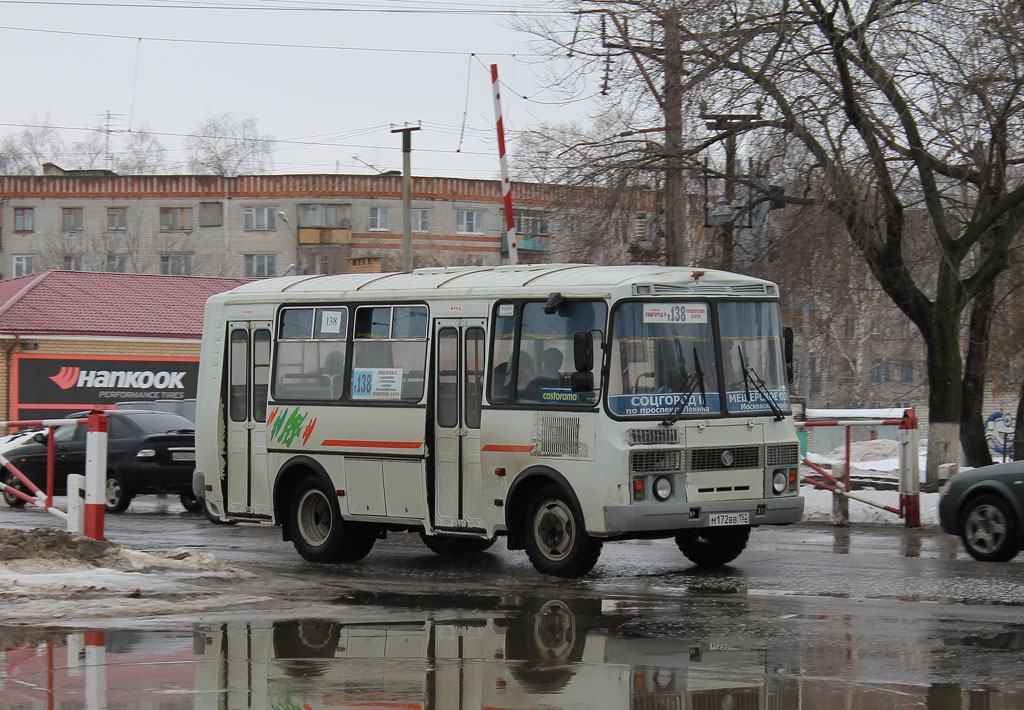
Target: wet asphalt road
[818,616]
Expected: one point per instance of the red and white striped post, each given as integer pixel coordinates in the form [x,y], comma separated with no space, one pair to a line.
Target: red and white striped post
[95,473]
[506,185]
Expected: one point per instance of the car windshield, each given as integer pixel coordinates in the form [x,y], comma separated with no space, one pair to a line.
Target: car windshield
[157,422]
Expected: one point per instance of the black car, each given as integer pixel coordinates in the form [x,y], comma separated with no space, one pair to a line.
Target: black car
[985,507]
[147,452]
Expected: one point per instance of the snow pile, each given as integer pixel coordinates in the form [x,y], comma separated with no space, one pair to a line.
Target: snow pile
[48,574]
[874,450]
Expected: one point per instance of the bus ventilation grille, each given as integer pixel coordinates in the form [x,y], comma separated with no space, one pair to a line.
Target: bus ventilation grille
[661,435]
[782,455]
[725,457]
[657,461]
[560,436]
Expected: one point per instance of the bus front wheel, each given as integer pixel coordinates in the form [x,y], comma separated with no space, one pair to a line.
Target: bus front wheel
[713,547]
[556,540]
[317,530]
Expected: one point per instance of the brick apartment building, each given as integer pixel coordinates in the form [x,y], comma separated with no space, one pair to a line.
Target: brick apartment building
[263,225]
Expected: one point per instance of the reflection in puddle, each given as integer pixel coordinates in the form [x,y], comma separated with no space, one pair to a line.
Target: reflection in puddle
[560,655]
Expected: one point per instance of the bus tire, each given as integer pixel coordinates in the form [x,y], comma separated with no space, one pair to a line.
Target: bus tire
[556,539]
[455,546]
[317,530]
[713,547]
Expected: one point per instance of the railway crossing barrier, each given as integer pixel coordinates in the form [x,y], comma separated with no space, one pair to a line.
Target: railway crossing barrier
[909,480]
[87,519]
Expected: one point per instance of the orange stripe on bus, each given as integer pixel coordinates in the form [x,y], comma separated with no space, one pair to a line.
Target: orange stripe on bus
[509,447]
[374,444]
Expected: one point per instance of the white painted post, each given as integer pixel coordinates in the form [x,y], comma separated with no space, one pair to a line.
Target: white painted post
[76,503]
[95,473]
[95,670]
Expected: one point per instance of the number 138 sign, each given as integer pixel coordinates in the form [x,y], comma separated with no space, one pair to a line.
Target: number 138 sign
[675,313]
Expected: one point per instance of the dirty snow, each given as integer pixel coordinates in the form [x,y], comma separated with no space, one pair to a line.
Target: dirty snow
[51,574]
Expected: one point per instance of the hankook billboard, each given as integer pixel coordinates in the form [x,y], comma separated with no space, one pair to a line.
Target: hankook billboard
[53,385]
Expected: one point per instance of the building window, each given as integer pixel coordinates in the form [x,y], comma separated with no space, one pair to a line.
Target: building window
[327,215]
[259,218]
[260,265]
[379,219]
[23,265]
[879,371]
[469,222]
[532,223]
[117,263]
[211,214]
[176,264]
[420,219]
[117,219]
[315,263]
[24,219]
[71,219]
[907,374]
[175,219]
[73,262]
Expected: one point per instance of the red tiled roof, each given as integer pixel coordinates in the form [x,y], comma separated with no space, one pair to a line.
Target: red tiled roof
[96,303]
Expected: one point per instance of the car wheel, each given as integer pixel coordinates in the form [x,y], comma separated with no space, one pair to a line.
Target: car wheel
[116,496]
[556,539]
[455,546]
[212,515]
[988,529]
[190,503]
[317,530]
[9,498]
[713,547]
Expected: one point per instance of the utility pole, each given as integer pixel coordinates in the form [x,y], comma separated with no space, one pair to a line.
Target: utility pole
[675,197]
[730,122]
[406,197]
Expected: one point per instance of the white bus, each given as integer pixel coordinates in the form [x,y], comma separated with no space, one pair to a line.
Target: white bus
[557,405]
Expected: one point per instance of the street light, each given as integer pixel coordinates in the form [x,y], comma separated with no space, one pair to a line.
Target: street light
[298,257]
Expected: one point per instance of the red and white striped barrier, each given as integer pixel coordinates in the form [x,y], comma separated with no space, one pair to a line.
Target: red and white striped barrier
[910,481]
[506,185]
[95,472]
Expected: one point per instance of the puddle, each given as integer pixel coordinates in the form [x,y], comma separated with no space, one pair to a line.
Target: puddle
[560,654]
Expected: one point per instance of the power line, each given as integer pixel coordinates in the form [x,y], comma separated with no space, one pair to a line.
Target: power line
[442,9]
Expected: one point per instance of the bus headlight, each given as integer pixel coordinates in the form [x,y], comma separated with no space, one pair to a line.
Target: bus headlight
[779,481]
[662,488]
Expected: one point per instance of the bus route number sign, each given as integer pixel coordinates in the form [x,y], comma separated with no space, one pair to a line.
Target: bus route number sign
[675,313]
[377,383]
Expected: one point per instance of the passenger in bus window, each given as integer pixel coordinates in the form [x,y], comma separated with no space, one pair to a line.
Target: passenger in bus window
[333,372]
[551,364]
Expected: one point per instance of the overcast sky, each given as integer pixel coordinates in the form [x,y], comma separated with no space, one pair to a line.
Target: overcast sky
[380,63]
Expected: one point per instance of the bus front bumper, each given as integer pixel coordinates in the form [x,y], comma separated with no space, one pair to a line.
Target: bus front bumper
[626,519]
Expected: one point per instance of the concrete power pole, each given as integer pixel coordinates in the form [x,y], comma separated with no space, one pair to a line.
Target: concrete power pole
[406,132]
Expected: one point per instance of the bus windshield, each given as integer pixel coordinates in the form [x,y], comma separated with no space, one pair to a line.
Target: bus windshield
[752,353]
[662,352]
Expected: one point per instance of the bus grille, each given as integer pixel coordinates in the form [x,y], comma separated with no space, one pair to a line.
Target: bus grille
[657,461]
[782,455]
[661,435]
[560,436]
[725,457]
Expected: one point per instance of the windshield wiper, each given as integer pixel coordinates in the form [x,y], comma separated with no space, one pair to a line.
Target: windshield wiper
[697,379]
[751,377]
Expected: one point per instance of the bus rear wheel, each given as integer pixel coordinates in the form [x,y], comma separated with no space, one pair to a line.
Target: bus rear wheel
[317,530]
[713,547]
[556,539]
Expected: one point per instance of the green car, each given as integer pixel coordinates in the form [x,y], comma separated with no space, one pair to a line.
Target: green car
[985,507]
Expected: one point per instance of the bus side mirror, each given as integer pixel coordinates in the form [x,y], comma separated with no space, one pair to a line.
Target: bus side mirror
[583,351]
[787,351]
[582,381]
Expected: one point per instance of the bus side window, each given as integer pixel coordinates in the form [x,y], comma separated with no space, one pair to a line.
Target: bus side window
[389,350]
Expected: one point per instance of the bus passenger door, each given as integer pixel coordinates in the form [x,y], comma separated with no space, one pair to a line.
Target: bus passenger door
[459,379]
[248,376]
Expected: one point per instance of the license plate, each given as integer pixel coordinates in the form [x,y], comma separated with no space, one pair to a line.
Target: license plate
[716,519]
[183,456]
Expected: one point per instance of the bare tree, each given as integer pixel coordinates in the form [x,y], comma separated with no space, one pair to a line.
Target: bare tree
[225,144]
[141,154]
[24,152]
[902,108]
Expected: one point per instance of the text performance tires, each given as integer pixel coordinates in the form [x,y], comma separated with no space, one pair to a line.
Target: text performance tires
[556,540]
[988,529]
[713,547]
[317,530]
[115,495]
[9,498]
[455,546]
